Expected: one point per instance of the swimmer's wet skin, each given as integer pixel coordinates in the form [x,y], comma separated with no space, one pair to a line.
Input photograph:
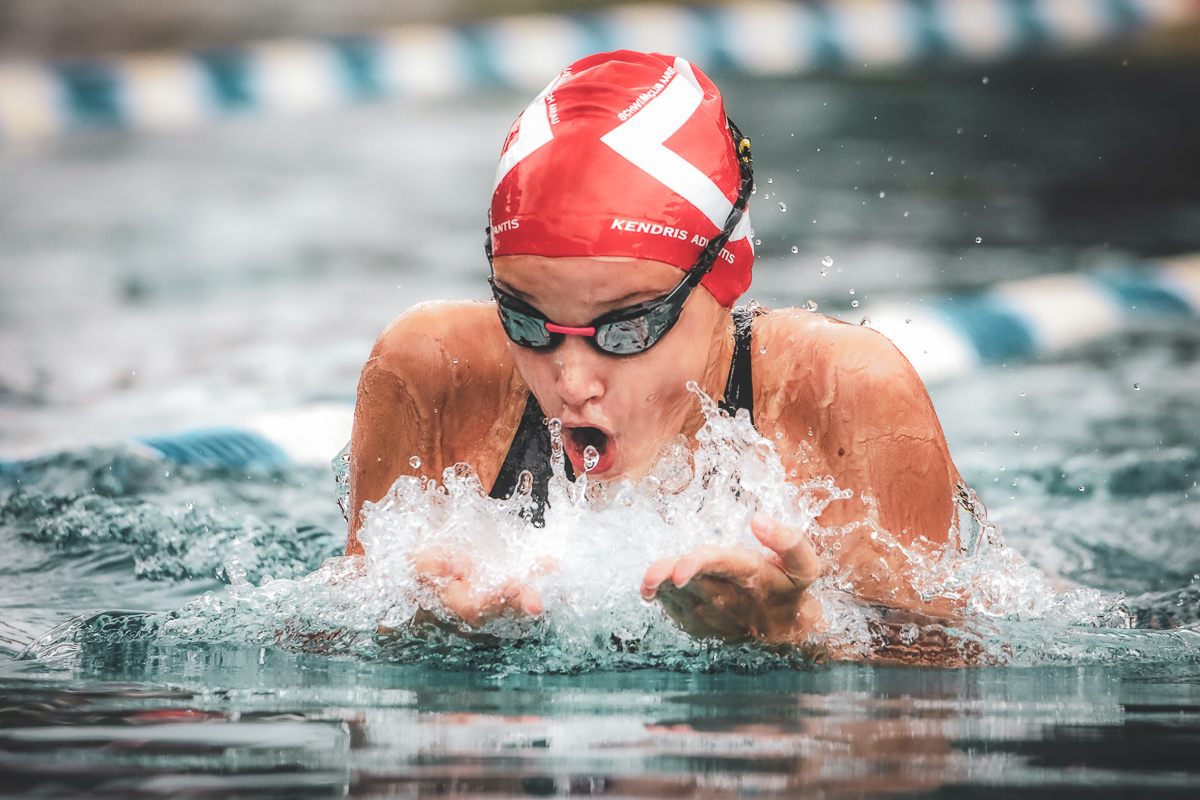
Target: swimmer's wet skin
[616,260]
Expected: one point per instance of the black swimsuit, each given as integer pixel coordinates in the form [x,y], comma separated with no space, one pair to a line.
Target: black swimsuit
[530,450]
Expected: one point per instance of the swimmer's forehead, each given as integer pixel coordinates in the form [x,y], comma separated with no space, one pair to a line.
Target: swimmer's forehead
[602,281]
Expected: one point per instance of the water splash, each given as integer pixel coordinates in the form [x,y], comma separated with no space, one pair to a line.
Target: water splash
[587,561]
[586,565]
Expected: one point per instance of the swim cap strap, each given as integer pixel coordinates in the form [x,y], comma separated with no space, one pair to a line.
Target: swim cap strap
[708,256]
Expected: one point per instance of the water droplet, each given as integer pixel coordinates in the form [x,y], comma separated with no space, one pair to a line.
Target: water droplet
[454,361]
[865,321]
[959,130]
[889,158]
[795,249]
[827,261]
[851,291]
[414,462]
[824,271]
[811,305]
[1082,488]
[1016,433]
[854,304]
[978,240]
[692,386]
[757,242]
[1022,394]
[908,322]
[555,426]
[985,79]
[591,457]
[770,180]
[1137,387]
[762,350]
[882,195]
[783,207]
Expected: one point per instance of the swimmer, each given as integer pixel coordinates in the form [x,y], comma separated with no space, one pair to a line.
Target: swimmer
[619,242]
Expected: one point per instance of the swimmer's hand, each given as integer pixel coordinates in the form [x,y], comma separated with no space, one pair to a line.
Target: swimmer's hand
[737,594]
[450,575]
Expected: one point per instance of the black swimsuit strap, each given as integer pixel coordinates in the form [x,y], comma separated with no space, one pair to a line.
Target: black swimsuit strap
[530,449]
[739,388]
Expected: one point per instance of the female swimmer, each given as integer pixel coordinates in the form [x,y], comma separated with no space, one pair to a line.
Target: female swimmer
[619,244]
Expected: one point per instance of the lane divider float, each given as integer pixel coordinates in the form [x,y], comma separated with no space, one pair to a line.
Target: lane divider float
[172,90]
[943,338]
[946,337]
[1015,321]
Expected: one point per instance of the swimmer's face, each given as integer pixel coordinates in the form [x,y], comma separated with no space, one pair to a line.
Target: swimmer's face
[628,407]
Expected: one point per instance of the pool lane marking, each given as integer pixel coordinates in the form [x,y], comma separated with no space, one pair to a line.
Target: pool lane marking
[1017,320]
[950,336]
[171,90]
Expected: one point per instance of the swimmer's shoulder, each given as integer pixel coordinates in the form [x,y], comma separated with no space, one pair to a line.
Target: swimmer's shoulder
[794,336]
[808,358]
[432,337]
[446,350]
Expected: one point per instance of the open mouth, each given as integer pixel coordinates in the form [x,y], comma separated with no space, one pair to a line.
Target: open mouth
[578,440]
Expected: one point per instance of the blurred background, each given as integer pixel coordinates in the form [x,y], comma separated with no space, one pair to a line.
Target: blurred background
[209,208]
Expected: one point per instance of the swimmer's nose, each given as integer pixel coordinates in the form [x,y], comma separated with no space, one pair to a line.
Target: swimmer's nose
[579,372]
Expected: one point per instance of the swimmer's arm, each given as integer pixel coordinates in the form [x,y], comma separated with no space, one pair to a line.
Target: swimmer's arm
[391,422]
[881,439]
[439,388]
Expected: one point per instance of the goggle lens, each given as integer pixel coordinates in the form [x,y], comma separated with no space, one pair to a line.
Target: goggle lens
[524,329]
[633,335]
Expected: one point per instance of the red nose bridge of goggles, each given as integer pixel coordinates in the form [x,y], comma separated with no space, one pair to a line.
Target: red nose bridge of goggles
[550,326]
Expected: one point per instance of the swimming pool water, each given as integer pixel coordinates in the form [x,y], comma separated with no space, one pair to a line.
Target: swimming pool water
[154,284]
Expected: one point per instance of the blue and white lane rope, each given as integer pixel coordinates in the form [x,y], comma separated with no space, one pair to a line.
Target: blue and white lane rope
[1018,320]
[168,90]
[944,338]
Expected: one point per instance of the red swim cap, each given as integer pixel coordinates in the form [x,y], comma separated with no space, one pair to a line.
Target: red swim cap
[624,154]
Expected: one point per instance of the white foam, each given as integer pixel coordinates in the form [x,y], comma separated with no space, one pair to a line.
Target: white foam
[587,562]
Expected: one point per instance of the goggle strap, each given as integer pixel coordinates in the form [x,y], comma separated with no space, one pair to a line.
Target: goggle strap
[708,256]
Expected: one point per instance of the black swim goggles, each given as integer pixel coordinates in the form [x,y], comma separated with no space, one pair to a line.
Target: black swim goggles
[633,329]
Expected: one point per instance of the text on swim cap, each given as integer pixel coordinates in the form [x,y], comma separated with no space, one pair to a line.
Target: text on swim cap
[648,95]
[633,226]
[655,229]
[507,225]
